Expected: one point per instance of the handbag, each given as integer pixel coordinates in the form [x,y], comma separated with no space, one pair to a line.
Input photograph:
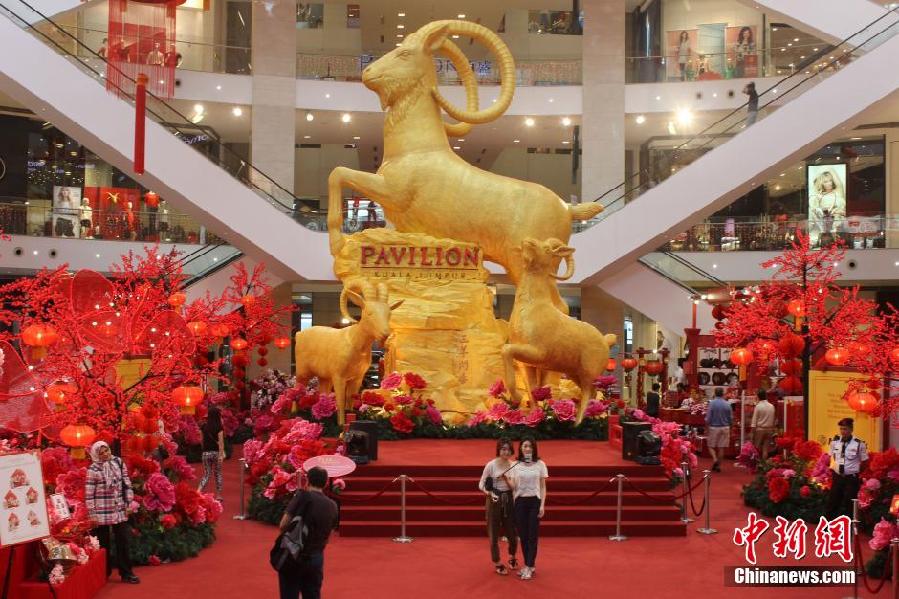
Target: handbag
[289,544]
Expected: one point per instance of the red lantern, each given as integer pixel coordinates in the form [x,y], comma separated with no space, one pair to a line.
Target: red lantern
[58,393]
[791,366]
[894,355]
[611,364]
[248,300]
[197,327]
[77,437]
[220,329]
[791,385]
[791,345]
[262,362]
[862,401]
[629,364]
[177,299]
[39,335]
[796,307]
[152,199]
[857,350]
[284,342]
[187,396]
[239,344]
[837,356]
[262,350]
[741,356]
[653,368]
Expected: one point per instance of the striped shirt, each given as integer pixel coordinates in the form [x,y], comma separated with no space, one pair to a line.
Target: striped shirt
[108,505]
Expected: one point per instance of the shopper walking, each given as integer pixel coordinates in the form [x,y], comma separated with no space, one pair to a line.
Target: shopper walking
[718,419]
[528,483]
[213,449]
[653,399]
[108,495]
[763,420]
[500,517]
[848,455]
[752,106]
[304,577]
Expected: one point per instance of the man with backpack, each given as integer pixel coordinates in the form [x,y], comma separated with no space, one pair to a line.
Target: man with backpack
[317,514]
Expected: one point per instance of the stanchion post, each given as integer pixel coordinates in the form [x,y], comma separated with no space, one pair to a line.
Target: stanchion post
[857,561]
[894,557]
[243,512]
[618,536]
[707,529]
[684,513]
[403,538]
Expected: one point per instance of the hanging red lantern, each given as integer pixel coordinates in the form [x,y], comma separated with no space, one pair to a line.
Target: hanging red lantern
[796,307]
[151,199]
[262,350]
[653,367]
[611,364]
[284,342]
[791,345]
[177,299]
[197,327]
[187,396]
[262,362]
[240,360]
[741,356]
[247,300]
[77,437]
[239,344]
[862,401]
[894,355]
[58,393]
[39,335]
[629,364]
[220,329]
[837,356]
[791,385]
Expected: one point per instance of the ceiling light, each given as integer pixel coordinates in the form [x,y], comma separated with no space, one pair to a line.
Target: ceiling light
[401,26]
[795,39]
[461,16]
[345,117]
[658,97]
[801,57]
[854,138]
[515,141]
[401,14]
[460,140]
[327,96]
[218,87]
[774,29]
[566,121]
[237,111]
[684,116]
[790,45]
[307,137]
[400,35]
[551,100]
[398,44]
[309,116]
[640,119]
[565,143]
[34,252]
[672,130]
[715,95]
[814,49]
[529,122]
[457,147]
[714,266]
[455,36]
[356,137]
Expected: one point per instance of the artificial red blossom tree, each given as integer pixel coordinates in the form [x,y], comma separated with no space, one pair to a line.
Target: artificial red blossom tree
[802,314]
[121,344]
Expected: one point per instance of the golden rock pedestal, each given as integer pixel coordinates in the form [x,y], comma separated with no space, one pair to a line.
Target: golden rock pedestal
[445,329]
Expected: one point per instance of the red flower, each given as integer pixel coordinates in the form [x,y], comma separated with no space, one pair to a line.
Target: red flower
[308,400]
[416,412]
[168,521]
[154,560]
[497,388]
[401,423]
[413,381]
[778,489]
[541,394]
[807,450]
[804,491]
[372,398]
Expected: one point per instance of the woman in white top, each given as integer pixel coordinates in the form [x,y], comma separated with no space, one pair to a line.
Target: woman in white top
[528,483]
[827,204]
[500,520]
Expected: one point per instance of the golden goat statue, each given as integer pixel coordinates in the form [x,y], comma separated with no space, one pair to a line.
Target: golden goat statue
[340,357]
[542,337]
[422,184]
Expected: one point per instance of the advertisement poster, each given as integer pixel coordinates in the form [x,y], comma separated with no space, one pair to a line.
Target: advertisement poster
[827,407]
[23,516]
[742,58]
[826,184]
[66,208]
[682,46]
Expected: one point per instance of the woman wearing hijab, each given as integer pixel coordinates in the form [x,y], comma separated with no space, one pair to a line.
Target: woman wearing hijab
[108,494]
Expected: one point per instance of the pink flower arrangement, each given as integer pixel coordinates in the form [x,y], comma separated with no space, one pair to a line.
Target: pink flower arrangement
[179,467]
[160,493]
[478,417]
[190,430]
[541,394]
[414,381]
[596,408]
[513,417]
[749,457]
[884,531]
[392,381]
[57,575]
[324,407]
[497,388]
[497,411]
[403,400]
[821,471]
[434,415]
[252,449]
[872,484]
[264,423]
[534,417]
[282,481]
[564,409]
[605,381]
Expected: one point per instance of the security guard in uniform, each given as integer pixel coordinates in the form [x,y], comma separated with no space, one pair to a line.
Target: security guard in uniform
[847,454]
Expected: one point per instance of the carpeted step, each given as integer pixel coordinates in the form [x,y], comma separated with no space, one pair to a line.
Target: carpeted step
[630,469]
[414,497]
[561,528]
[466,514]
[554,483]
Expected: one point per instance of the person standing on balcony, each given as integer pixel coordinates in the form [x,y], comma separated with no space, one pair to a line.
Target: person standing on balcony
[752,106]
[683,54]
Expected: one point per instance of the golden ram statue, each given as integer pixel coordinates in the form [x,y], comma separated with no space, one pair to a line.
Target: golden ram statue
[422,185]
[340,357]
[542,337]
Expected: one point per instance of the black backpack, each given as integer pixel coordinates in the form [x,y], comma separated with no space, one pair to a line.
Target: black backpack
[289,544]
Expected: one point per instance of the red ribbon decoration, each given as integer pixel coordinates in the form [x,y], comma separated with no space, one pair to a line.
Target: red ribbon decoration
[140,106]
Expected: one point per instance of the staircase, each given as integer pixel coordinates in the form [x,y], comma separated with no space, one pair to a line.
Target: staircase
[455,506]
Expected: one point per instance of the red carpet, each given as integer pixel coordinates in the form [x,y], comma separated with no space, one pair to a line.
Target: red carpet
[236,566]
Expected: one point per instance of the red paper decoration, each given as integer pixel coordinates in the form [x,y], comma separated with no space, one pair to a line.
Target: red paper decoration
[197,327]
[791,345]
[611,364]
[862,401]
[177,299]
[791,385]
[187,396]
[837,356]
[653,367]
[262,362]
[284,342]
[741,356]
[58,393]
[239,344]
[220,329]
[262,350]
[39,335]
[629,363]
[151,199]
[796,307]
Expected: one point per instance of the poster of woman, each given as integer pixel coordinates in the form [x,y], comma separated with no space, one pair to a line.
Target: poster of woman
[826,201]
[741,51]
[66,207]
[682,54]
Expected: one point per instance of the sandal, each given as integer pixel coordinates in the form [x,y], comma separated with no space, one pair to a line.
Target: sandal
[501,570]
[513,563]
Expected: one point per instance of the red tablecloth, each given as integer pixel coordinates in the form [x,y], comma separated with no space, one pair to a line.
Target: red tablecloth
[83,582]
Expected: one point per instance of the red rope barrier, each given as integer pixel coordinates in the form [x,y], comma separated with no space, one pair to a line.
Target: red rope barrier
[581,500]
[441,499]
[704,498]
[666,499]
[364,499]
[860,567]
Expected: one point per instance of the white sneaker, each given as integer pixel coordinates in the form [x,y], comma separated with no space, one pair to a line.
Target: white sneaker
[525,573]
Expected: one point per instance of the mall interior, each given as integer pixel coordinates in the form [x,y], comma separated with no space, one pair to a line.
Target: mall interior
[639,105]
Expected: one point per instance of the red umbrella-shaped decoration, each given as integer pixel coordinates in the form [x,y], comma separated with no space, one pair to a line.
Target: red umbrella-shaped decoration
[23,407]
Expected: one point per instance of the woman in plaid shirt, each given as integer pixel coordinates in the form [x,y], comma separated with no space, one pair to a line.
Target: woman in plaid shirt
[108,495]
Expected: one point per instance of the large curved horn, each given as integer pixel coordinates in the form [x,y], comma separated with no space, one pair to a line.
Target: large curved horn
[569,272]
[506,72]
[354,286]
[469,82]
[344,311]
